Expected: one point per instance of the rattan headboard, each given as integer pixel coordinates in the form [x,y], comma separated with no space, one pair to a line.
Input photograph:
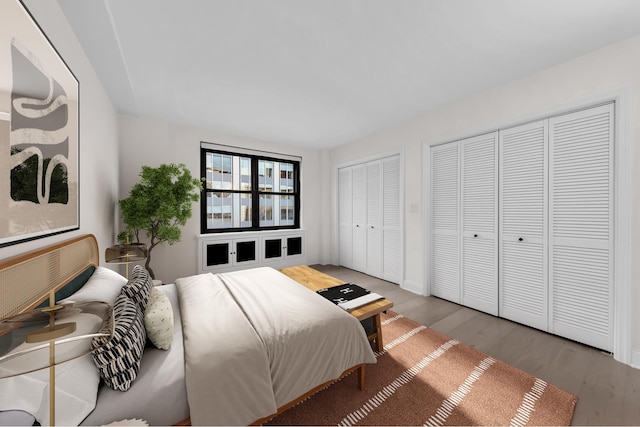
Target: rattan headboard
[25,280]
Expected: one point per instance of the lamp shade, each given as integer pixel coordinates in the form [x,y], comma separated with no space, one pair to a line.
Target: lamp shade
[121,254]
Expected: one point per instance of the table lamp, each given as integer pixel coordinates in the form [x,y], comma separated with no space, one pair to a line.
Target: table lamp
[28,341]
[125,254]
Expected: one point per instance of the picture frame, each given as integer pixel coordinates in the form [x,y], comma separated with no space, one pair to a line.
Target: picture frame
[39,132]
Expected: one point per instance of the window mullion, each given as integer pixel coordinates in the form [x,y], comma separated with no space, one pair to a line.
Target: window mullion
[255,194]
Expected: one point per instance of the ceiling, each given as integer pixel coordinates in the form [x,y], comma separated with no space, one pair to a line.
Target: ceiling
[320,73]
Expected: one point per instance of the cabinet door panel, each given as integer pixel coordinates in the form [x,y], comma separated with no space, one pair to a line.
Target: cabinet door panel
[294,246]
[246,251]
[217,254]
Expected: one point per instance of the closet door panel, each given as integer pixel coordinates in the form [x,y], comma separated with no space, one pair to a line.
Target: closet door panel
[523,283]
[391,242]
[581,203]
[479,282]
[522,297]
[374,219]
[359,227]
[479,273]
[345,218]
[445,248]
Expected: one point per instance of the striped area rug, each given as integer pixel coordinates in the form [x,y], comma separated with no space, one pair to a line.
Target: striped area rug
[425,378]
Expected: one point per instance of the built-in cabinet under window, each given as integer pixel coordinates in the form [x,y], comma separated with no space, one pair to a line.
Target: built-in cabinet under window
[235,251]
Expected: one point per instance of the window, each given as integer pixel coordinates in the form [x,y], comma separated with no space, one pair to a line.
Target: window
[248,191]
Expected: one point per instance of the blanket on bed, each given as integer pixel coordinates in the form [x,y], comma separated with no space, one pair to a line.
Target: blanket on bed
[255,340]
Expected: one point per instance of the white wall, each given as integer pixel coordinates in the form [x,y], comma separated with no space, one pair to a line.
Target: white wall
[98,137]
[614,69]
[150,141]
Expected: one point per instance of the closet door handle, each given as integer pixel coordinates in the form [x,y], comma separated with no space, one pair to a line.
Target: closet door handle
[520,239]
[475,235]
[372,226]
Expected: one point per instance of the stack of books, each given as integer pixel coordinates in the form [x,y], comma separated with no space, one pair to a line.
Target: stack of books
[349,296]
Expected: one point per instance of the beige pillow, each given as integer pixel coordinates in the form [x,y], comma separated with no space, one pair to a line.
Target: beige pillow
[158,319]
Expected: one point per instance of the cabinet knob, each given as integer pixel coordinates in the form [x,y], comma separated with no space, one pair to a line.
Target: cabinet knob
[372,226]
[475,235]
[520,239]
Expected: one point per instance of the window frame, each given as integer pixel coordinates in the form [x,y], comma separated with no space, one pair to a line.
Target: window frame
[254,192]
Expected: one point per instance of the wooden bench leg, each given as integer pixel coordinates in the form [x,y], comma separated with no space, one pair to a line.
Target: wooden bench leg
[379,345]
[361,376]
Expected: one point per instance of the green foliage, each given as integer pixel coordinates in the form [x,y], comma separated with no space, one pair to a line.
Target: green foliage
[159,205]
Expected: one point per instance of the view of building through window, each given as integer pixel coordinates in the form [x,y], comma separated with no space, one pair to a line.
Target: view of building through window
[236,185]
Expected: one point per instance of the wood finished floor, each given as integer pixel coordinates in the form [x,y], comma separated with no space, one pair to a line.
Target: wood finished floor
[608,391]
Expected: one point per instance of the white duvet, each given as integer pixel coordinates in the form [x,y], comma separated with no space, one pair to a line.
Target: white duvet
[255,340]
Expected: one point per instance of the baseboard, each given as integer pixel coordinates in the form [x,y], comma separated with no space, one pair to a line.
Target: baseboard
[635,359]
[415,287]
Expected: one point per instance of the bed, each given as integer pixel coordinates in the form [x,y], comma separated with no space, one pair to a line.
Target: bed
[244,346]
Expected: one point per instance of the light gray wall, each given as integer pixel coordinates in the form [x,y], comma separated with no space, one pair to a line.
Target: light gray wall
[614,69]
[98,137]
[151,141]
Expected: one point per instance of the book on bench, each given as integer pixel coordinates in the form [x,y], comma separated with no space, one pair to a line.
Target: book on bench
[349,296]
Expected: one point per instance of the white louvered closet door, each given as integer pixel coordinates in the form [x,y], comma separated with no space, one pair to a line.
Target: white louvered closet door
[523,286]
[445,274]
[345,217]
[359,225]
[479,223]
[374,219]
[391,242]
[581,233]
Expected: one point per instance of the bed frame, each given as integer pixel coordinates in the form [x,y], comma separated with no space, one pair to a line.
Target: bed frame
[27,279]
[361,376]
[283,408]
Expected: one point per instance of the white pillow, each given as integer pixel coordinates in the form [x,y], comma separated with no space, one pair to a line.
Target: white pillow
[77,380]
[158,319]
[103,285]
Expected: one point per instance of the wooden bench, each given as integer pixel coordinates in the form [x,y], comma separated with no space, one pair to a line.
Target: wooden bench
[316,280]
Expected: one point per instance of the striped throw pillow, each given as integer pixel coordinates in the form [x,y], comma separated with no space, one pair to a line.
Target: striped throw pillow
[118,360]
[139,286]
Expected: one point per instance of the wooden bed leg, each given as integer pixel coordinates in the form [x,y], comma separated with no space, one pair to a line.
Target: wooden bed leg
[361,376]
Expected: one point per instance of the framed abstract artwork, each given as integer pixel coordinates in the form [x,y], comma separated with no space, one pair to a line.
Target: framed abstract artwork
[39,132]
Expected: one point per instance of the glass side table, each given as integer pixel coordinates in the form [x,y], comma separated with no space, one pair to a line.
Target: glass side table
[46,337]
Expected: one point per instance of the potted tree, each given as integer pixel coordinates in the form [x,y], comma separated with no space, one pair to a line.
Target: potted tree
[159,205]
